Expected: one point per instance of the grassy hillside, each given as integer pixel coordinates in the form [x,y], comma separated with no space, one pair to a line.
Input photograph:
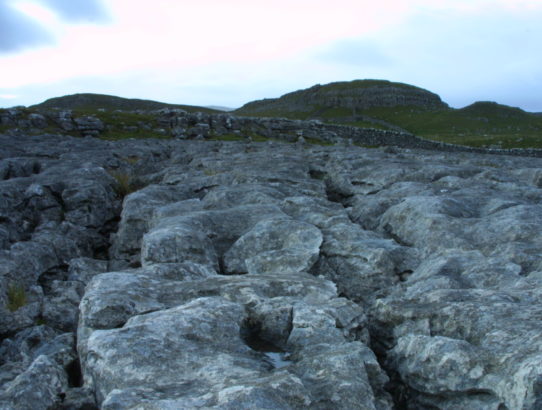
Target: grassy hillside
[92,102]
[482,124]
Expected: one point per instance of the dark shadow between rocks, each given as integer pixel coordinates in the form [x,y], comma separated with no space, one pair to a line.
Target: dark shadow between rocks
[272,355]
[59,273]
[400,392]
[75,376]
[317,174]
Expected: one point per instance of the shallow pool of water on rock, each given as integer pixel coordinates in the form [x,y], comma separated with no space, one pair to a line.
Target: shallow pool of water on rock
[273,355]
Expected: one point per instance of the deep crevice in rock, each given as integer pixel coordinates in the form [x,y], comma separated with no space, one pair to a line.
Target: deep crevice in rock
[221,266]
[398,390]
[75,376]
[106,231]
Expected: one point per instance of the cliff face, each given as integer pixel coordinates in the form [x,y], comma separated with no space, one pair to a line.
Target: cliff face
[360,94]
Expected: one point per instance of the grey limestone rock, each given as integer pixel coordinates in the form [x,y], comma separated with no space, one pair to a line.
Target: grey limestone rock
[33,369]
[222,226]
[65,120]
[362,263]
[20,317]
[89,126]
[83,269]
[281,309]
[279,246]
[61,305]
[135,217]
[319,212]
[178,244]
[438,364]
[41,386]
[37,120]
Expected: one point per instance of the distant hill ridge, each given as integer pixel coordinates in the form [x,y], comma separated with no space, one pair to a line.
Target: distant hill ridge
[353,95]
[493,108]
[379,104]
[89,101]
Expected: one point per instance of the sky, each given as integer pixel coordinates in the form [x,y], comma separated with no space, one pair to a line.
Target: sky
[230,52]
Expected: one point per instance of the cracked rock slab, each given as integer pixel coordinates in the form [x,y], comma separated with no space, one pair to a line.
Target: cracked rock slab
[178,332]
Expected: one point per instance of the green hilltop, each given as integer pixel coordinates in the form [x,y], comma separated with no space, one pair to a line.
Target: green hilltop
[92,102]
[123,116]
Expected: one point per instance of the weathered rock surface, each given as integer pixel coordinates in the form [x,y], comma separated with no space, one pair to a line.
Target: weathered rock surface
[275,246]
[266,275]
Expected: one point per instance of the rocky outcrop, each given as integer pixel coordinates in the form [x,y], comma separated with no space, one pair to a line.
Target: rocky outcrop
[205,274]
[354,95]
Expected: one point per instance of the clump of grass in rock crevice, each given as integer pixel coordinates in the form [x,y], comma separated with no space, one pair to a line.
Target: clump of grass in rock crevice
[16,297]
[132,159]
[125,183]
[210,172]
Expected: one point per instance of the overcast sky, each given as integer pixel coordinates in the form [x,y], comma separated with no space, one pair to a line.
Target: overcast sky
[229,52]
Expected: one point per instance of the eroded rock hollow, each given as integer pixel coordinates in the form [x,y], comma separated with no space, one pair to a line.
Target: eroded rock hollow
[239,275]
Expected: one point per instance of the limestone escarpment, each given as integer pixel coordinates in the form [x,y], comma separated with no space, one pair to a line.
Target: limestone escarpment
[360,94]
[268,275]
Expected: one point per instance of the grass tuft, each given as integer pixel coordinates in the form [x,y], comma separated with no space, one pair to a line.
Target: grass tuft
[16,297]
[125,184]
[132,159]
[210,172]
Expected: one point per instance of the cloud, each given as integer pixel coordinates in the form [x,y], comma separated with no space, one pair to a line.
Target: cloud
[21,29]
[18,31]
[79,10]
